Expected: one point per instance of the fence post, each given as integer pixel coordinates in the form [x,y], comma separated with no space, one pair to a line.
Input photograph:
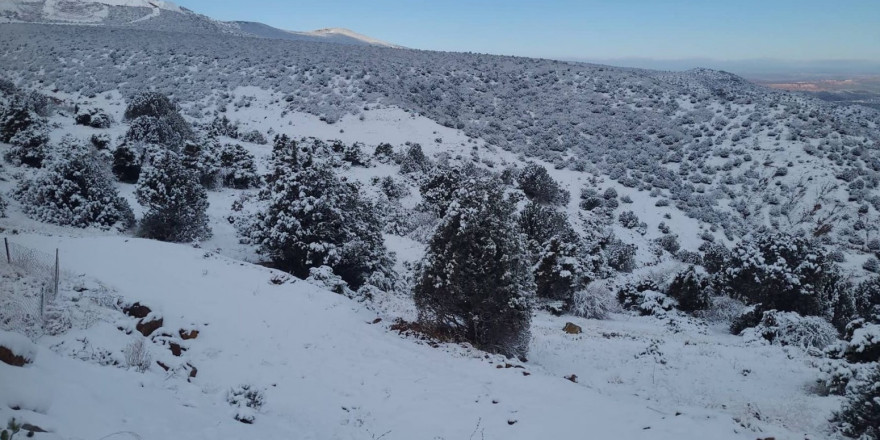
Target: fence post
[57,273]
[6,242]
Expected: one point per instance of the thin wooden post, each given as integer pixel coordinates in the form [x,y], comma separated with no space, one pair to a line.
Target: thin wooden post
[57,275]
[6,242]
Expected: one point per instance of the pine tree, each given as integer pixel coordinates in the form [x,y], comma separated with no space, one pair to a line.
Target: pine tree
[315,219]
[176,203]
[74,189]
[538,186]
[860,415]
[475,283]
[559,273]
[691,290]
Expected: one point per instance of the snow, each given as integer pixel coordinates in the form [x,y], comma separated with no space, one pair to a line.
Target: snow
[314,353]
[334,32]
[18,345]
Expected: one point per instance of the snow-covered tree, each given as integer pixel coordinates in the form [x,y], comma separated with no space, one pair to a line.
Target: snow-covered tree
[781,271]
[127,163]
[27,131]
[859,417]
[538,186]
[314,218]
[475,283]
[74,188]
[691,289]
[176,203]
[155,119]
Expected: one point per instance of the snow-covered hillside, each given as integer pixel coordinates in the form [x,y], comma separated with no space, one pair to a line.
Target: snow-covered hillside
[694,256]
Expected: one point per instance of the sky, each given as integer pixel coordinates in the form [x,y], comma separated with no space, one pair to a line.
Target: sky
[589,29]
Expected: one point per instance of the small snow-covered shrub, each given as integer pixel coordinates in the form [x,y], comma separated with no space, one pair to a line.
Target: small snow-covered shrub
[323,276]
[620,256]
[236,167]
[789,328]
[593,302]
[2,207]
[247,402]
[872,265]
[861,343]
[867,299]
[137,355]
[29,145]
[669,243]
[539,187]
[645,297]
[74,189]
[126,164]
[859,417]
[629,220]
[175,201]
[691,289]
[722,309]
[254,137]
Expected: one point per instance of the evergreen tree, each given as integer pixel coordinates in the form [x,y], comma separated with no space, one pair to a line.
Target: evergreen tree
[74,189]
[538,186]
[126,164]
[781,271]
[860,415]
[558,272]
[691,290]
[315,219]
[175,201]
[475,283]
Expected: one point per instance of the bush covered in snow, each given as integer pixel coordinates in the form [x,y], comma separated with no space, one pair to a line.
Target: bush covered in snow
[691,289]
[155,119]
[315,218]
[789,328]
[860,415]
[593,302]
[474,283]
[175,201]
[247,401]
[23,127]
[645,297]
[74,189]
[127,163]
[867,299]
[781,271]
[536,183]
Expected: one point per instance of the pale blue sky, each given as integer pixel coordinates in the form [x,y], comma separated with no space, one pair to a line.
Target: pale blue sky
[589,29]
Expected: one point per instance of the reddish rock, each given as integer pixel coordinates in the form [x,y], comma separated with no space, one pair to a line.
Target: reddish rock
[8,357]
[148,327]
[176,349]
[188,334]
[137,310]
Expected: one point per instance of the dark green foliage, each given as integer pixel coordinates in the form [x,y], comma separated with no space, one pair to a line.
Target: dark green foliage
[691,290]
[315,219]
[439,188]
[414,160]
[155,119]
[175,201]
[859,416]
[475,283]
[781,271]
[74,189]
[27,131]
[558,273]
[12,428]
[384,152]
[539,187]
[716,257]
[867,299]
[126,164]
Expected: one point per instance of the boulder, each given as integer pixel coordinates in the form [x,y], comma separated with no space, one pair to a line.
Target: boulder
[188,334]
[148,325]
[137,310]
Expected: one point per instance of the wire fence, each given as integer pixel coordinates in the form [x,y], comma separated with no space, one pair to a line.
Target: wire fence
[24,300]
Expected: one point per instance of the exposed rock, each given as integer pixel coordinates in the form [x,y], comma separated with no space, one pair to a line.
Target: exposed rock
[147,327]
[137,310]
[8,357]
[572,378]
[188,334]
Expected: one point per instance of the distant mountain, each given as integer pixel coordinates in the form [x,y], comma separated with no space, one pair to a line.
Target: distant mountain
[163,16]
[330,35]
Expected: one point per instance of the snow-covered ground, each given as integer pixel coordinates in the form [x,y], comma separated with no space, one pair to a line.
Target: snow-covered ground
[329,370]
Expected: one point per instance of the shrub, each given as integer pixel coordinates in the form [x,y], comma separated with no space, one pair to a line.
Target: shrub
[175,201]
[867,299]
[716,257]
[859,416]
[414,160]
[628,219]
[474,283]
[789,328]
[247,402]
[783,272]
[236,167]
[645,297]
[254,137]
[539,187]
[384,152]
[126,164]
[861,343]
[314,218]
[159,120]
[558,272]
[620,256]
[593,302]
[668,243]
[691,290]
[29,140]
[74,189]
[137,355]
